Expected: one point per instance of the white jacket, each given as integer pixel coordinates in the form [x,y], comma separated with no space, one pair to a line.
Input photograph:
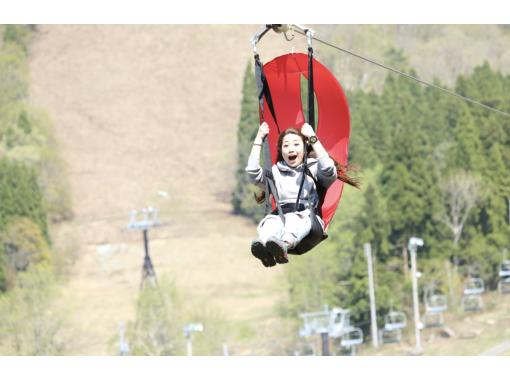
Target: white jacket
[288,180]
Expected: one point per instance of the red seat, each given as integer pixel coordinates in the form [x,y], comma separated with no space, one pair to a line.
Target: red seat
[283,75]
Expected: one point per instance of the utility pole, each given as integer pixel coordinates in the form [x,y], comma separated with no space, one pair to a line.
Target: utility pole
[373,317]
[149,220]
[415,242]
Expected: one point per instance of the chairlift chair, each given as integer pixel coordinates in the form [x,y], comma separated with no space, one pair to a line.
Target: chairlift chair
[390,336]
[435,304]
[350,339]
[504,285]
[474,285]
[315,322]
[504,269]
[395,320]
[472,302]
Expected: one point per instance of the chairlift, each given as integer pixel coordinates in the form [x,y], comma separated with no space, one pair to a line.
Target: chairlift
[504,269]
[504,285]
[351,337]
[435,304]
[315,322]
[395,320]
[474,285]
[472,302]
[390,336]
[335,322]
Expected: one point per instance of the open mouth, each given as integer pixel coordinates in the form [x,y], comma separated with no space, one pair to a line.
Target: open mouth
[292,157]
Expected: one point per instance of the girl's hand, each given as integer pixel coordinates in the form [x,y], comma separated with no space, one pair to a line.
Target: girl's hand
[263,130]
[307,130]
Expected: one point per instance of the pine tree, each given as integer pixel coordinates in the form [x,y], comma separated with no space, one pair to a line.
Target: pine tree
[372,223]
[242,198]
[20,196]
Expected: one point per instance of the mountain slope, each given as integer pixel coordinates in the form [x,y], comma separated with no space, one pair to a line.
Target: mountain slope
[138,110]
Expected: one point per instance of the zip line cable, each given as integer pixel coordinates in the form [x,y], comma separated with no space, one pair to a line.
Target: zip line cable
[408,76]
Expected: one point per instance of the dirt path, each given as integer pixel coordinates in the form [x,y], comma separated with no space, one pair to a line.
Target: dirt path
[498,350]
[138,110]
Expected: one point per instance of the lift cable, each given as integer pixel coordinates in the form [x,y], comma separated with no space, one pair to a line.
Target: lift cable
[465,98]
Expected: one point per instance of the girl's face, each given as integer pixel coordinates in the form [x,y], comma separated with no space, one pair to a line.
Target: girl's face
[292,150]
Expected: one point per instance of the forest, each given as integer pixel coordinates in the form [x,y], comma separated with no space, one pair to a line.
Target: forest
[432,166]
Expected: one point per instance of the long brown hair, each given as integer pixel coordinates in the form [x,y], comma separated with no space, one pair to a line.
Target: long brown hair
[343,172]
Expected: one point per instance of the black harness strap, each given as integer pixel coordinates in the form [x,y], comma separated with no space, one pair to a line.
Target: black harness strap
[311,103]
[311,121]
[263,91]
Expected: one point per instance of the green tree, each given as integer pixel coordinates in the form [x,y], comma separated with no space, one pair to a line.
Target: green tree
[30,321]
[20,196]
[13,81]
[18,34]
[157,329]
[162,313]
[242,198]
[23,245]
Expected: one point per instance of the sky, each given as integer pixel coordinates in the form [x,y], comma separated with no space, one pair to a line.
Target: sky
[259,12]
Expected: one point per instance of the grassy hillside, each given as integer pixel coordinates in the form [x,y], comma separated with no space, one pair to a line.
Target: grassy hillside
[143,109]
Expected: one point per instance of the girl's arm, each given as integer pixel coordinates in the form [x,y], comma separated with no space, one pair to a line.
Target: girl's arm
[326,170]
[308,132]
[253,167]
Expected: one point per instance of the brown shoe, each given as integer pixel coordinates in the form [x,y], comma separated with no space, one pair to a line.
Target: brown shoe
[278,249]
[260,252]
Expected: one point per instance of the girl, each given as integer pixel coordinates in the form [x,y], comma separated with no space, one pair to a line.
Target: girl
[276,237]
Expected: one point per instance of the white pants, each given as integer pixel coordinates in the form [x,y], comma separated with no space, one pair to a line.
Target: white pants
[297,226]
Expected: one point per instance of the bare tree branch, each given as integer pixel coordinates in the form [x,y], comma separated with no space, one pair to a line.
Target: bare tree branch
[460,193]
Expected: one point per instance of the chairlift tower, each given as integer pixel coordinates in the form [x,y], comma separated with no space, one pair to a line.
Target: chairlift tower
[334,323]
[148,220]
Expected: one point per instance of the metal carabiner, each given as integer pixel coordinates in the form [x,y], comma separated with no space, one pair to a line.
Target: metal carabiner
[256,38]
[309,36]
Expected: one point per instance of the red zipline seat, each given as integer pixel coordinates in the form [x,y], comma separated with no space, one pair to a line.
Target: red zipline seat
[283,75]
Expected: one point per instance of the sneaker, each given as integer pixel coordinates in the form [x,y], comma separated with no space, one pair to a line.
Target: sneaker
[260,252]
[278,249]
